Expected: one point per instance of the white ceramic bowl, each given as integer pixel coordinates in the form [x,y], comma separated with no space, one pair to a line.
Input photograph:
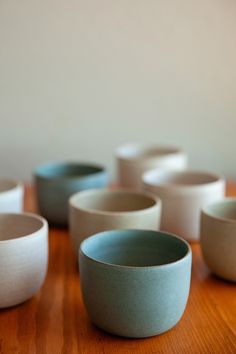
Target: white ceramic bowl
[104,209]
[23,256]
[183,194]
[134,159]
[218,238]
[11,196]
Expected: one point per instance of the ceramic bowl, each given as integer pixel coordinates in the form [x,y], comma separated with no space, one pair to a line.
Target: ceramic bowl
[11,196]
[23,257]
[99,210]
[134,159]
[183,194]
[218,237]
[57,181]
[135,283]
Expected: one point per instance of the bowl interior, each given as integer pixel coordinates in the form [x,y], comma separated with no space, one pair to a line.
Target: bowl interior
[7,184]
[60,170]
[13,226]
[181,178]
[223,210]
[135,248]
[113,201]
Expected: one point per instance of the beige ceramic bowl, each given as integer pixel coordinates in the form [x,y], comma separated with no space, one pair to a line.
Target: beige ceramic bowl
[11,196]
[23,256]
[134,159]
[218,238]
[183,194]
[99,210]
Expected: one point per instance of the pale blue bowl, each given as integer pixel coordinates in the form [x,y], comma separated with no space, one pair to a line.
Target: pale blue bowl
[135,283]
[56,181]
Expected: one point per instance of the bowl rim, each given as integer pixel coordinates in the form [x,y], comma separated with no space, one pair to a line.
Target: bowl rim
[44,226]
[137,268]
[16,184]
[38,174]
[173,151]
[205,210]
[217,178]
[109,191]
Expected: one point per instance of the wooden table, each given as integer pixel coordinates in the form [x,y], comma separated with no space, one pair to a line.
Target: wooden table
[55,320]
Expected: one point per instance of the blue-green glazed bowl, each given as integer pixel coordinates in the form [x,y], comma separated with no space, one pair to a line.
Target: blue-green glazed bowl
[55,182]
[135,283]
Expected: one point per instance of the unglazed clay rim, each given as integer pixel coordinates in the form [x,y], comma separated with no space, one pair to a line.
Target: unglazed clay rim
[17,185]
[175,186]
[173,151]
[36,172]
[212,216]
[27,236]
[137,268]
[74,198]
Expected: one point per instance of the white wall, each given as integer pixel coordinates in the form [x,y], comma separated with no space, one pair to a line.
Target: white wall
[77,78]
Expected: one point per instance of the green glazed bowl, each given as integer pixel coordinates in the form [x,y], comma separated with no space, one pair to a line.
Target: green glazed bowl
[55,182]
[135,283]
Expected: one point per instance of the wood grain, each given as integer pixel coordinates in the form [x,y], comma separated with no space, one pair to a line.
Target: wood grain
[55,321]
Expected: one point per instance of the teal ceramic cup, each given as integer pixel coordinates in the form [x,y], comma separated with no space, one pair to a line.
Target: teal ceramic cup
[135,283]
[55,182]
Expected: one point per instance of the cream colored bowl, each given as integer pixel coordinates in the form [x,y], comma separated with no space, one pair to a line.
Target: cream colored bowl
[11,196]
[99,210]
[23,256]
[218,237]
[134,159]
[183,194]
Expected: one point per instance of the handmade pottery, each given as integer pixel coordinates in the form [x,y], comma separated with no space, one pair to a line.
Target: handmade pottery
[135,283]
[57,181]
[98,210]
[134,159]
[218,237]
[11,196]
[183,194]
[23,256]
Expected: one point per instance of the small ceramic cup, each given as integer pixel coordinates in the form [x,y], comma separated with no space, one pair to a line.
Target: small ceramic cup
[183,194]
[57,181]
[11,196]
[23,257]
[99,210]
[135,283]
[218,237]
[134,159]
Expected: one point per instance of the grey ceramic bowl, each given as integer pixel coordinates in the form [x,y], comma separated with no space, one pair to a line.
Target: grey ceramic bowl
[57,181]
[98,210]
[218,238]
[135,283]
